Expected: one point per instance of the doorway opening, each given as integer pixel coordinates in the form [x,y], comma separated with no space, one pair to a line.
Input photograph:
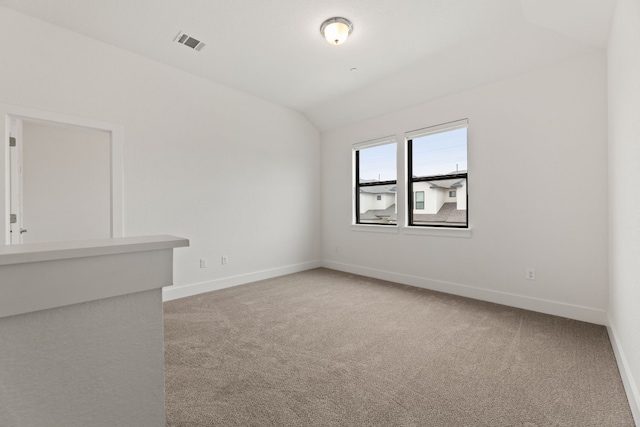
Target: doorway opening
[63,178]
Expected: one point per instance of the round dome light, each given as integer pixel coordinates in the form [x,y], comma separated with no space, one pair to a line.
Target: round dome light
[336,30]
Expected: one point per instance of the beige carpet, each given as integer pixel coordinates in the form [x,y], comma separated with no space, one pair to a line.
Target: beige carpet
[324,348]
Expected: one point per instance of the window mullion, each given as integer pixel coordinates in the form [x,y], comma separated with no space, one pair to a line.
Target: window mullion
[410,181]
[373,184]
[357,196]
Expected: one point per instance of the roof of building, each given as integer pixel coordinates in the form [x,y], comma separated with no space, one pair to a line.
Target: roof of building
[447,214]
[391,188]
[379,189]
[374,214]
[447,183]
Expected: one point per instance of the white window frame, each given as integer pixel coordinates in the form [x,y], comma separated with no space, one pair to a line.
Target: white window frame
[432,230]
[381,228]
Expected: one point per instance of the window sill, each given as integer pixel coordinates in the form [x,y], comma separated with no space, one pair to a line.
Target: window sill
[438,231]
[375,228]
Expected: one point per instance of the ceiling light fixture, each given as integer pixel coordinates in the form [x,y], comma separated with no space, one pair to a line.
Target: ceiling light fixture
[336,30]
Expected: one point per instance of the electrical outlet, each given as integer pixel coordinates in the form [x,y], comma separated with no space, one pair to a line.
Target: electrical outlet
[531,273]
[224,260]
[203,263]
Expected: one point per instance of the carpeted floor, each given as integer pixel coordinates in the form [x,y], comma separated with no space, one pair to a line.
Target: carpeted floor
[324,348]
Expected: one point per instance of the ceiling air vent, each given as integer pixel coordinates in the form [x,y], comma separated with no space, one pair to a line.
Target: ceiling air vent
[187,40]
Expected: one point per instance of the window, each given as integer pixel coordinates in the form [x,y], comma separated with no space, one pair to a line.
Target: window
[375,182]
[437,176]
[420,200]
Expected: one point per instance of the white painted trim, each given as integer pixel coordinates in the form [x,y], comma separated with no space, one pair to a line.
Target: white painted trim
[40,276]
[55,251]
[585,314]
[375,228]
[116,132]
[444,127]
[176,292]
[630,386]
[6,179]
[391,139]
[438,231]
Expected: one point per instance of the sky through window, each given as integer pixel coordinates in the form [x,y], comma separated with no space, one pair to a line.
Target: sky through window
[440,153]
[378,163]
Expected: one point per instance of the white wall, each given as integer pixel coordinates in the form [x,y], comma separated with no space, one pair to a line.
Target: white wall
[191,149]
[433,198]
[461,197]
[81,332]
[97,363]
[388,200]
[624,196]
[369,201]
[67,183]
[547,130]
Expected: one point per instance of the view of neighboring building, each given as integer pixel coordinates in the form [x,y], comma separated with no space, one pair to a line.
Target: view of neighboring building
[378,204]
[438,202]
[441,202]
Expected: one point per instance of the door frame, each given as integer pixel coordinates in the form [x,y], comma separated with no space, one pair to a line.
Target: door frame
[16,182]
[116,132]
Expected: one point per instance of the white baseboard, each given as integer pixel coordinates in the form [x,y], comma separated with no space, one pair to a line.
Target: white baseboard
[576,312]
[630,385]
[175,292]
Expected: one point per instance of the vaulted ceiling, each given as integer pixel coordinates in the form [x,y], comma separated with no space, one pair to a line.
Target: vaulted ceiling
[405,52]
